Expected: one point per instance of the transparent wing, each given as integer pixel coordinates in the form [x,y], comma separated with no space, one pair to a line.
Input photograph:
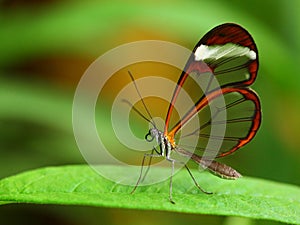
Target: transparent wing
[241,122]
[224,62]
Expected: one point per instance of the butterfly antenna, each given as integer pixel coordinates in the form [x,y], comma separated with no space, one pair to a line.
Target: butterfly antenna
[137,90]
[137,111]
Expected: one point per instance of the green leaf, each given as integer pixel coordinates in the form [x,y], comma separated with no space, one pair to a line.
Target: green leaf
[80,185]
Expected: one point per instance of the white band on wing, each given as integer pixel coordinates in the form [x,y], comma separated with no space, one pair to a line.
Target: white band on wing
[219,51]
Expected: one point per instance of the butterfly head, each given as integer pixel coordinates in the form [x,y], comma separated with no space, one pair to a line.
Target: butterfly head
[153,133]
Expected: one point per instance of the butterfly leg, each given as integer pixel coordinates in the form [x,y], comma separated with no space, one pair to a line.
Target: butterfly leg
[142,177]
[171,180]
[195,182]
[149,164]
[173,161]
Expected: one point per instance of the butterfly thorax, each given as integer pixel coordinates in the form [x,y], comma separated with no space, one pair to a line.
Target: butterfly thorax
[164,146]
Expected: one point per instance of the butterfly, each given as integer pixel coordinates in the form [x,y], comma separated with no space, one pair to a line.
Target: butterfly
[227,54]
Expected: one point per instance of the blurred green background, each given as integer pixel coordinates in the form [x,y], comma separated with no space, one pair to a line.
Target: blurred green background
[45,47]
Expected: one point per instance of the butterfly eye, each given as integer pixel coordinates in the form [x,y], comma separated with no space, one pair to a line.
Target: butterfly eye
[149,137]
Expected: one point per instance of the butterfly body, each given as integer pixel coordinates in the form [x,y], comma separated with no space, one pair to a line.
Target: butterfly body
[165,146]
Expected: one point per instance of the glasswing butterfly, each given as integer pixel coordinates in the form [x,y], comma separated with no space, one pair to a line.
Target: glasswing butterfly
[229,54]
